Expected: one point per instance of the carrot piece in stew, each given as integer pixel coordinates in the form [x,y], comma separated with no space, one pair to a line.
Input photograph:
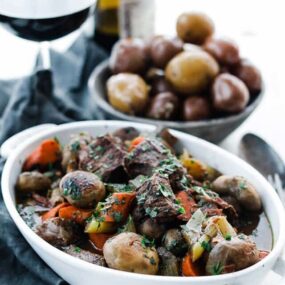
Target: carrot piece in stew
[119,209]
[188,203]
[48,152]
[189,268]
[75,214]
[135,142]
[99,239]
[53,212]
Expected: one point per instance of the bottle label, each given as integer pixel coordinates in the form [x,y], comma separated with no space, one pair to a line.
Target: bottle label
[137,18]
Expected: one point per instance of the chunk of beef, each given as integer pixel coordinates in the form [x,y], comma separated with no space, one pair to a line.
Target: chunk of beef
[104,156]
[153,156]
[85,255]
[58,232]
[126,134]
[158,199]
[233,255]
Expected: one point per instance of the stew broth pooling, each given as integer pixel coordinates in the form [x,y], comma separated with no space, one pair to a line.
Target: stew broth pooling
[127,201]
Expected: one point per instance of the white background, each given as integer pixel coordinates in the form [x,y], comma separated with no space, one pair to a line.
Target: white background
[258,26]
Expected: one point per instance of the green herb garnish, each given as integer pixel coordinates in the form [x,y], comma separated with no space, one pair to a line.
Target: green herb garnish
[206,245]
[147,242]
[217,269]
[151,212]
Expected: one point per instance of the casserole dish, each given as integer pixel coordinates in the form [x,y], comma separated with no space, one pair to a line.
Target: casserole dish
[76,271]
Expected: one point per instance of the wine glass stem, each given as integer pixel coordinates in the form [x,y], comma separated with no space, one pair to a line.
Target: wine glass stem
[45,54]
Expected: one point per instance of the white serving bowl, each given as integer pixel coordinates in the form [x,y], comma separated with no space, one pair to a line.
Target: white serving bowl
[76,271]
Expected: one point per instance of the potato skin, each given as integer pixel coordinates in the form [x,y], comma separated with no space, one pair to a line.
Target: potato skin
[239,188]
[82,189]
[191,72]
[250,75]
[163,106]
[163,49]
[229,94]
[194,27]
[196,108]
[33,181]
[126,252]
[224,51]
[127,93]
[128,55]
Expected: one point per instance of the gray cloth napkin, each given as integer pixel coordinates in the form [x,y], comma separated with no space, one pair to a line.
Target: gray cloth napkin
[57,97]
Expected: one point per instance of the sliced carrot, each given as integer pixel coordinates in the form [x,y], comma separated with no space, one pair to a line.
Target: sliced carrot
[120,206]
[189,268]
[99,239]
[188,203]
[73,213]
[53,212]
[135,142]
[46,153]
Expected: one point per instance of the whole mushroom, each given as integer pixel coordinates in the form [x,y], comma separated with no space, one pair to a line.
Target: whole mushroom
[82,189]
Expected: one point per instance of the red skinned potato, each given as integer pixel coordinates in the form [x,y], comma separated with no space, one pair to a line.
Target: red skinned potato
[194,27]
[129,55]
[226,52]
[163,106]
[250,75]
[196,108]
[229,94]
[163,49]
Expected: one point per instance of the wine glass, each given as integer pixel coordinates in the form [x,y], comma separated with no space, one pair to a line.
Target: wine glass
[44,20]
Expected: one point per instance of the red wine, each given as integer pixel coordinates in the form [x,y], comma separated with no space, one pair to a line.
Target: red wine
[46,29]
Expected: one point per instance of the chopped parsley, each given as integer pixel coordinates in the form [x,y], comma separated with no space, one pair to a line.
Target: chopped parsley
[70,188]
[118,217]
[147,242]
[228,237]
[206,245]
[181,210]
[242,185]
[165,191]
[75,146]
[141,198]
[151,212]
[152,261]
[77,249]
[217,269]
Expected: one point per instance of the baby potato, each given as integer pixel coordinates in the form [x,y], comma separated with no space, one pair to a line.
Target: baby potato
[128,55]
[196,108]
[127,93]
[250,75]
[163,106]
[32,182]
[229,94]
[163,49]
[194,27]
[224,51]
[127,252]
[191,71]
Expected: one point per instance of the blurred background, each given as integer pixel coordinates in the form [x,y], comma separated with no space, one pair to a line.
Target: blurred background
[256,25]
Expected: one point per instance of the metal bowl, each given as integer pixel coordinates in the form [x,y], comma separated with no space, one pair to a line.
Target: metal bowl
[213,130]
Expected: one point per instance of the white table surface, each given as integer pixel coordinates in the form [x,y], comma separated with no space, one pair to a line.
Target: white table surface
[256,25]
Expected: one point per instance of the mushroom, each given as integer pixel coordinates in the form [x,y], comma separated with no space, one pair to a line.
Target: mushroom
[127,252]
[239,188]
[33,181]
[82,189]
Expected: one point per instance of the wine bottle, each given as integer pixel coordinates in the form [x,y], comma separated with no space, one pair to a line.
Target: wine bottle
[107,23]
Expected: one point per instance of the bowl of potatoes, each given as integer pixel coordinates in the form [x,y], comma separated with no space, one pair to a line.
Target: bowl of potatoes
[194,82]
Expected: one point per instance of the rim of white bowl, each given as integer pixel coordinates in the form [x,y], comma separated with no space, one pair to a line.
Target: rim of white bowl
[73,261]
